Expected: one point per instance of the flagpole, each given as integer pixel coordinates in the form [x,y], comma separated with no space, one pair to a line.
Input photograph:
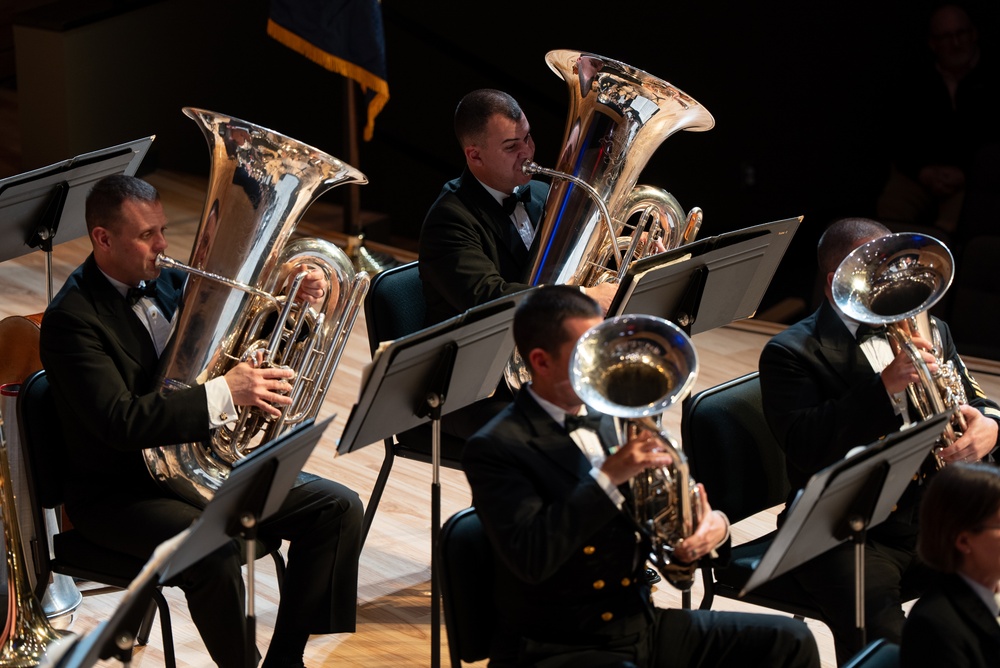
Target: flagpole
[352,209]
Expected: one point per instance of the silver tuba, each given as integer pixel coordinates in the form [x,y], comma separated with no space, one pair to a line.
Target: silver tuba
[618,117]
[634,368]
[238,302]
[894,281]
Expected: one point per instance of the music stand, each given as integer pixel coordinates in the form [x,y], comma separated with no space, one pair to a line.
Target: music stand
[844,500]
[461,360]
[254,490]
[707,283]
[37,205]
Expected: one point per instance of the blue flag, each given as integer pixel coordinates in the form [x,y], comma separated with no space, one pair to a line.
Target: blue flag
[344,36]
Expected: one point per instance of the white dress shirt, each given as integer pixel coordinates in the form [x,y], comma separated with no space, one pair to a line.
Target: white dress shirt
[519,218]
[589,444]
[221,409]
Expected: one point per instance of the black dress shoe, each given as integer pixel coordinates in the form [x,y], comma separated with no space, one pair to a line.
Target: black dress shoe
[651,577]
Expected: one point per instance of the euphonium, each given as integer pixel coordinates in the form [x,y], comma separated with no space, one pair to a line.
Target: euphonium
[239,301]
[618,117]
[634,368]
[27,632]
[894,281]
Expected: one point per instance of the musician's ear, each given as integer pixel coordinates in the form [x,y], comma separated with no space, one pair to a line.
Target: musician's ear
[539,361]
[101,238]
[473,155]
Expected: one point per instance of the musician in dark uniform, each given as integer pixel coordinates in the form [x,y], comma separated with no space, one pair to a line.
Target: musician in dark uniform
[478,237]
[955,623]
[824,393]
[100,343]
[571,588]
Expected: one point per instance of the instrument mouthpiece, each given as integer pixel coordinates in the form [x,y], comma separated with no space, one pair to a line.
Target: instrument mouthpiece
[531,168]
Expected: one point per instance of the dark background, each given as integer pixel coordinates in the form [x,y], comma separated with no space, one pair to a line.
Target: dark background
[801,94]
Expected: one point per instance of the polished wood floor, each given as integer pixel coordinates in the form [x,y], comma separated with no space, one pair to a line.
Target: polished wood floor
[394,626]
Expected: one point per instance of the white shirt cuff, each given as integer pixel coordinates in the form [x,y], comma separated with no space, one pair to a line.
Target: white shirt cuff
[221,409]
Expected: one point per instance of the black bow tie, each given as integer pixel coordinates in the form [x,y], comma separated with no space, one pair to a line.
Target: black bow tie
[510,201]
[135,294]
[590,421]
[866,332]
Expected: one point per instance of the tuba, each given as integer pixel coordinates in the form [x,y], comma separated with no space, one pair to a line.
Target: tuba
[618,116]
[27,633]
[634,368]
[239,301]
[894,281]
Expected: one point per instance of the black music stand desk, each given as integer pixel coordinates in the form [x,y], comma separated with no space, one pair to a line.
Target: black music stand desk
[707,283]
[462,360]
[37,206]
[844,500]
[254,490]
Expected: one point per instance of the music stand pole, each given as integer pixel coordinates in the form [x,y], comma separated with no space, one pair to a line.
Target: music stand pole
[439,383]
[407,384]
[249,523]
[434,402]
[855,524]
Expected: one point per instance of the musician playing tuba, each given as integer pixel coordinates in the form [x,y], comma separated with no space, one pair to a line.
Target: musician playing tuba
[495,231]
[825,393]
[100,342]
[476,240]
[570,558]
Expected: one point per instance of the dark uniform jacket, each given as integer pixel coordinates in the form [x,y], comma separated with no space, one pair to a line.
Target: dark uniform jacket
[102,367]
[470,252]
[569,562]
[822,398]
[950,626]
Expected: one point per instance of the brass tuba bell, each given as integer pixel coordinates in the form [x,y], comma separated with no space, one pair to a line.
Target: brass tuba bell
[634,368]
[894,281]
[618,117]
[238,301]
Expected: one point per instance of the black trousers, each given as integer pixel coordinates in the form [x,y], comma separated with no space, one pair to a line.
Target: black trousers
[321,519]
[688,639]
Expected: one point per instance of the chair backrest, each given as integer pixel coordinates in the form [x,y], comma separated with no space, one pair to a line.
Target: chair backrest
[42,439]
[394,306]
[466,561]
[731,449]
[877,654]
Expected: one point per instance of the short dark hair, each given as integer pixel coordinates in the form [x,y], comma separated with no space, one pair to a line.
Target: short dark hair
[539,319]
[475,110]
[960,497]
[104,202]
[841,237]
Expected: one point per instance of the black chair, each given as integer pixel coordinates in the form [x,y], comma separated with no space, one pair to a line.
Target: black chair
[877,654]
[72,554]
[466,559]
[394,307]
[731,450]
